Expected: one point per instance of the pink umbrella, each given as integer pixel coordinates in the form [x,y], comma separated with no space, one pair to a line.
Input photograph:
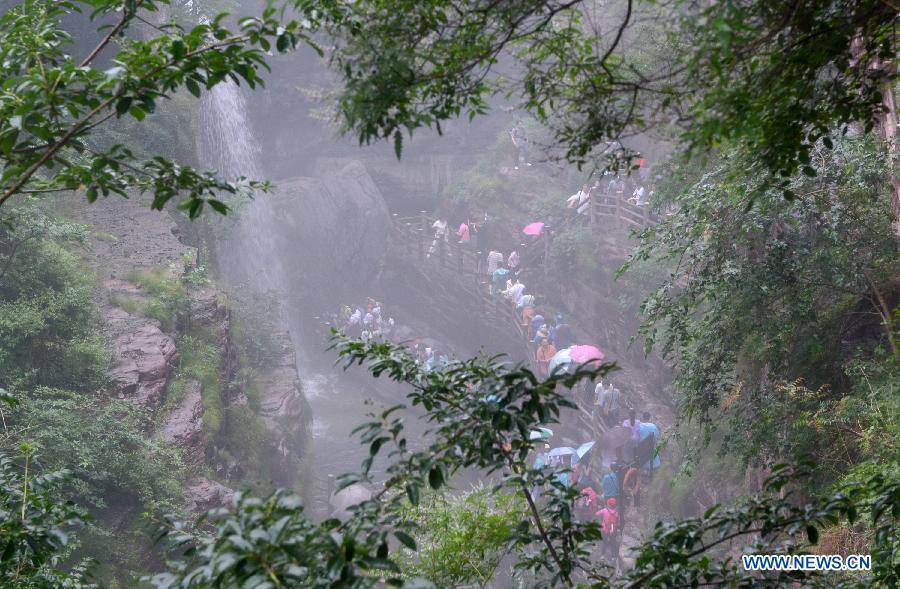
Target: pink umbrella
[533,229]
[585,354]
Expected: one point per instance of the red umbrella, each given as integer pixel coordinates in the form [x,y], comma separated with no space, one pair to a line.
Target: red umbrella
[533,228]
[585,354]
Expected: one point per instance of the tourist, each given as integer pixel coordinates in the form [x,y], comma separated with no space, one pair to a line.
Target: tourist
[609,527]
[586,505]
[536,322]
[515,291]
[463,233]
[575,202]
[494,261]
[562,334]
[544,354]
[513,262]
[648,429]
[634,424]
[441,234]
[498,279]
[526,301]
[527,316]
[607,401]
[629,450]
[542,332]
[610,482]
[639,196]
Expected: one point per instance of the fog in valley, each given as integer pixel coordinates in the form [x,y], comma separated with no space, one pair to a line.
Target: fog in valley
[700,319]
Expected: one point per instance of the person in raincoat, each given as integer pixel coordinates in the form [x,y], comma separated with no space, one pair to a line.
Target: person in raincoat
[542,357]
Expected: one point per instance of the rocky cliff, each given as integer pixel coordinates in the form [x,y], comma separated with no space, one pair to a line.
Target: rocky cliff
[173,353]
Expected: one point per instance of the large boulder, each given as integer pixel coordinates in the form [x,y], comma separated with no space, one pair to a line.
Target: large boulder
[204,494]
[141,362]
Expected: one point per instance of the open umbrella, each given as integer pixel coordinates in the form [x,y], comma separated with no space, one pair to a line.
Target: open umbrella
[560,362]
[583,449]
[533,228]
[562,451]
[541,433]
[585,354]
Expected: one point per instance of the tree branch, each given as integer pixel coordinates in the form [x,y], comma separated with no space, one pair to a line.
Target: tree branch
[126,16]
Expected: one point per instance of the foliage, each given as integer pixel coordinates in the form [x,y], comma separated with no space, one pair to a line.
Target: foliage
[461,540]
[47,323]
[168,301]
[773,292]
[765,75]
[52,101]
[269,542]
[35,529]
[201,360]
[573,252]
[103,444]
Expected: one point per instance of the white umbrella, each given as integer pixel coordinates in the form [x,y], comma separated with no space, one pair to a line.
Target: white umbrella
[560,362]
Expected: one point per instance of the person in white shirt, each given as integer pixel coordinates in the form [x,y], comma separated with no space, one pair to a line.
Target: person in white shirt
[494,259]
[577,203]
[639,196]
[515,292]
[525,301]
[441,232]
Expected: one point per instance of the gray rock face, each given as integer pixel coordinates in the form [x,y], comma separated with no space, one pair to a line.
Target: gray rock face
[343,499]
[329,228]
[205,494]
[283,408]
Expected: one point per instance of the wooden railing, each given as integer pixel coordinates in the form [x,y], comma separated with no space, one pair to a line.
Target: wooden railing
[467,267]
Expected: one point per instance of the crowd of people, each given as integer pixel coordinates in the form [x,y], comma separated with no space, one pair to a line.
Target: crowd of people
[368,321]
[610,492]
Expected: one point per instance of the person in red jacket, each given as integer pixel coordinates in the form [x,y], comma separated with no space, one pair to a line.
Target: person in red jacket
[609,525]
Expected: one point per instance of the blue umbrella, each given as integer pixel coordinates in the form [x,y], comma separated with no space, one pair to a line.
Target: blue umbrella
[582,450]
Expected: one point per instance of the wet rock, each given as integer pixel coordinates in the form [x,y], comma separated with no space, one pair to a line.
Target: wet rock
[283,409]
[184,425]
[346,497]
[204,494]
[141,362]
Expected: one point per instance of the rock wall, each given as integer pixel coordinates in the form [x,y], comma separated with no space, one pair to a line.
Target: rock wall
[331,227]
[129,238]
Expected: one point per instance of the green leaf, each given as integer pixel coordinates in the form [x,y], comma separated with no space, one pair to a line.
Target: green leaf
[406,539]
[812,534]
[436,477]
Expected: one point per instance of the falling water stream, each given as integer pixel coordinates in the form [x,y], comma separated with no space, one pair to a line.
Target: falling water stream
[250,257]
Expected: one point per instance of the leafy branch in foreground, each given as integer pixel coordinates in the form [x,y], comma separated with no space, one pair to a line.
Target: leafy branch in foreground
[480,413]
[33,524]
[51,102]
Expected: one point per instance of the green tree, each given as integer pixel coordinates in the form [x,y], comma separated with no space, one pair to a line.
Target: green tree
[762,296]
[773,77]
[53,101]
[35,527]
[461,540]
[481,413]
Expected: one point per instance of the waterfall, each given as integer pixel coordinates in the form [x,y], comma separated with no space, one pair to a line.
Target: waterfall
[226,140]
[227,145]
